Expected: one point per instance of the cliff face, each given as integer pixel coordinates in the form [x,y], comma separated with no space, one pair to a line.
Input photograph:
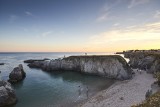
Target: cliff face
[109,66]
[144,60]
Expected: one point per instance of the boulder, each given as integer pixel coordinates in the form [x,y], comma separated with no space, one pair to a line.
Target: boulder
[17,74]
[111,66]
[7,94]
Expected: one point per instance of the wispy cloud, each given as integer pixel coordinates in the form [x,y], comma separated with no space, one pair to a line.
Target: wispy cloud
[157,14]
[116,24]
[105,11]
[134,3]
[28,13]
[45,34]
[103,17]
[13,18]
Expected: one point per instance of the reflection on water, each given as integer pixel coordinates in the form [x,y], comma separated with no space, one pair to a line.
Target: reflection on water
[50,89]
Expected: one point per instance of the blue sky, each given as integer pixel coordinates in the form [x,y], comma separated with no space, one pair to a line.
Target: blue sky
[79,25]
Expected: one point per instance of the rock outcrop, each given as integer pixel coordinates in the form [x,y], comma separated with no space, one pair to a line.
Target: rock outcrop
[7,94]
[112,66]
[144,60]
[33,60]
[17,74]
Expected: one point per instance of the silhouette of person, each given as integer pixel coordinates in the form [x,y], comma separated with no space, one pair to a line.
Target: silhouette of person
[87,91]
[79,91]
[0,76]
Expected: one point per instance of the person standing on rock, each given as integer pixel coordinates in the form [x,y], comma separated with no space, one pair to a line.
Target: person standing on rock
[87,92]
[146,68]
[79,91]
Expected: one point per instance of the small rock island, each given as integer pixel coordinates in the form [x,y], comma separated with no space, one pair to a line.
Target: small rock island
[17,74]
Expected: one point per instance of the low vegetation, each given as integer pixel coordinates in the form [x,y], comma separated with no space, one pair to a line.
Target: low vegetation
[152,101]
[157,76]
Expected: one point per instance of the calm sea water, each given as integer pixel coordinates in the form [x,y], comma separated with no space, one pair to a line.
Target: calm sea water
[56,89]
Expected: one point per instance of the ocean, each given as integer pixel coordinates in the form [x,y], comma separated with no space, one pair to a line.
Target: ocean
[51,89]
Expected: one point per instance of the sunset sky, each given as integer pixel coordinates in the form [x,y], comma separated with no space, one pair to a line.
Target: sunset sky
[79,25]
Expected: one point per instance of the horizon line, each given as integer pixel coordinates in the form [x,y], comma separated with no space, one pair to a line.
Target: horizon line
[51,52]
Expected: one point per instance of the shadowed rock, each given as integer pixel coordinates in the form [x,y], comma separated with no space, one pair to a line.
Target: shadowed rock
[17,74]
[144,60]
[1,63]
[111,66]
[7,94]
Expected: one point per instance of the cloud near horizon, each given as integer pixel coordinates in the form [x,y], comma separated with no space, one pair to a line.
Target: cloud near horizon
[135,37]
[157,14]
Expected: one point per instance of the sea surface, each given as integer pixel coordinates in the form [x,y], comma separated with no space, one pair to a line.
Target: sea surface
[51,89]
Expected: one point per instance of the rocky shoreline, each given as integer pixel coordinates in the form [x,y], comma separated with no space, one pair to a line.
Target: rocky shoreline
[110,66]
[7,93]
[131,92]
[145,61]
[137,76]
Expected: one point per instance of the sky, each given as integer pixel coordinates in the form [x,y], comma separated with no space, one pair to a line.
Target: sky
[79,25]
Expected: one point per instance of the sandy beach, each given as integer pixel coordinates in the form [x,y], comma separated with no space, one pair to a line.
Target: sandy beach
[123,93]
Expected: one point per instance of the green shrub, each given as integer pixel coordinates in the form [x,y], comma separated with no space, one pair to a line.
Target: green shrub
[152,101]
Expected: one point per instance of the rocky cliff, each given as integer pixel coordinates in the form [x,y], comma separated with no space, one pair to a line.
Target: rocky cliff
[112,66]
[144,60]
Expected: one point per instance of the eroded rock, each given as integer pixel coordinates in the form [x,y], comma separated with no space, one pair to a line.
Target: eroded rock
[17,74]
[7,94]
[144,60]
[33,60]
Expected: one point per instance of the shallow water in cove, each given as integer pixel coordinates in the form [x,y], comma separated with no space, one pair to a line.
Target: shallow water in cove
[46,89]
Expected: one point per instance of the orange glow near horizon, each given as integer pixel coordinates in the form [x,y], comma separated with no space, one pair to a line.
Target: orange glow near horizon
[131,38]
